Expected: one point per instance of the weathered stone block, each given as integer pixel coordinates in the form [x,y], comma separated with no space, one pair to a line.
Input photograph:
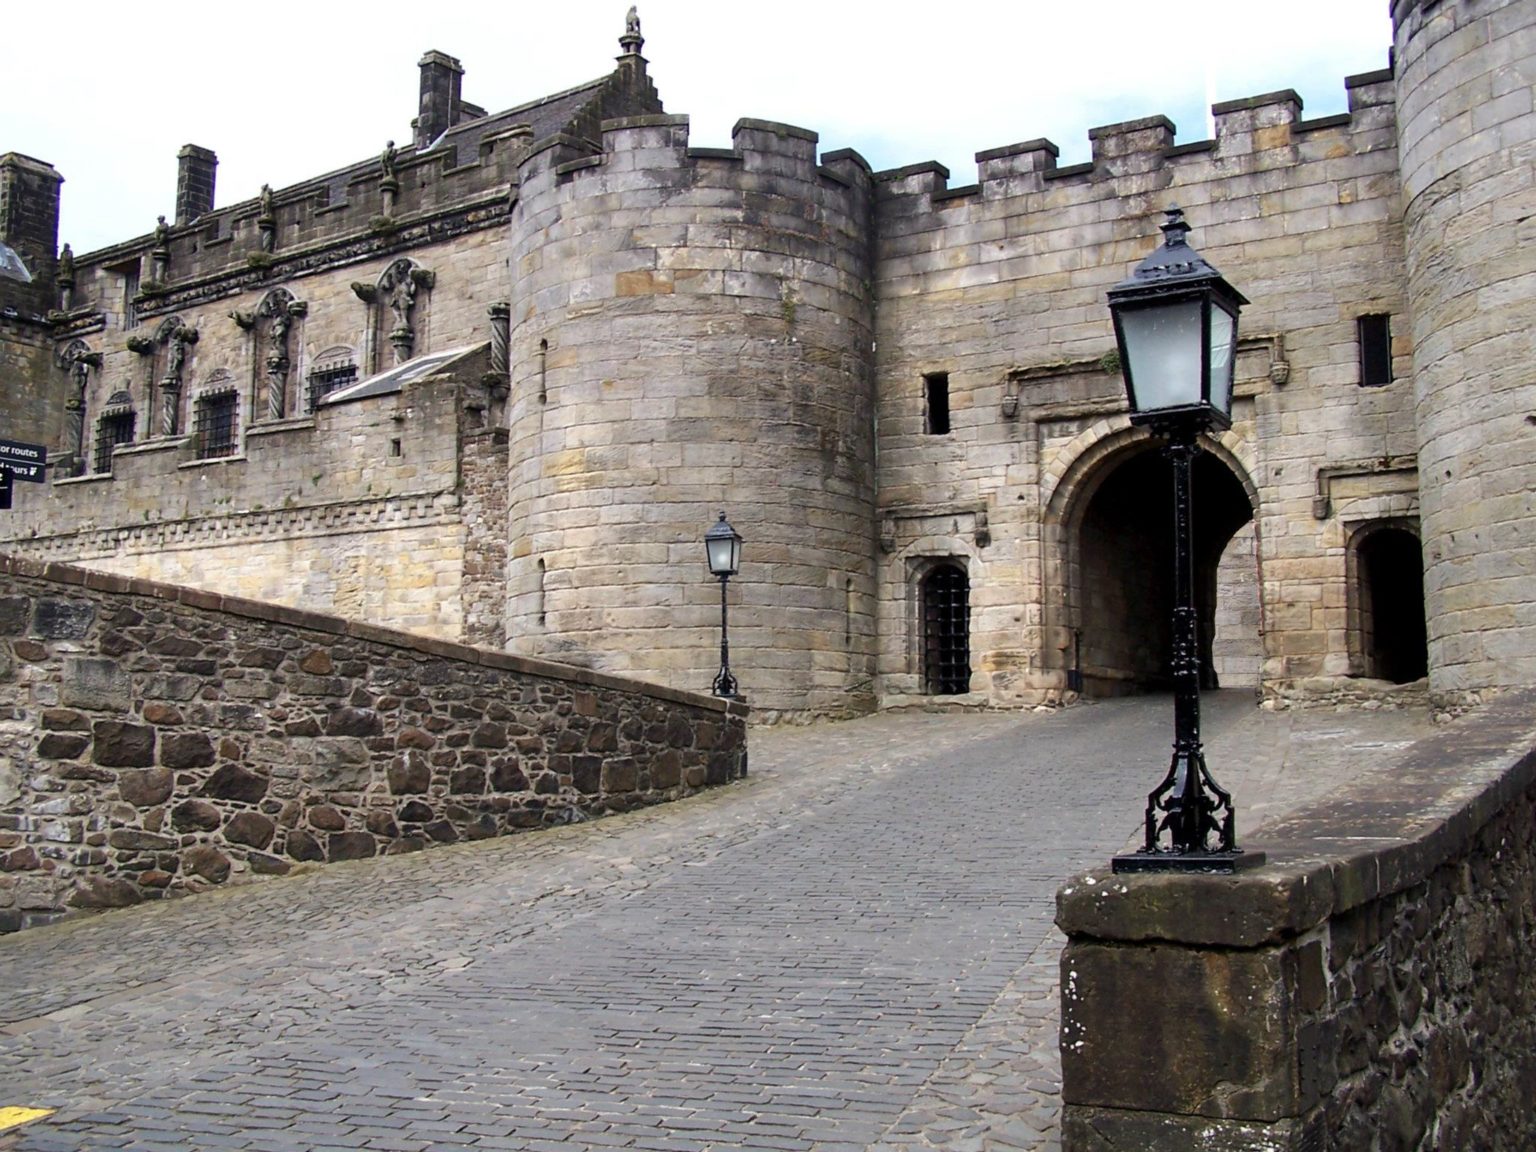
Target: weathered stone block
[135,840]
[232,782]
[326,818]
[195,816]
[250,828]
[146,787]
[62,745]
[350,846]
[302,846]
[15,615]
[186,750]
[56,619]
[98,684]
[1113,1130]
[409,773]
[354,722]
[104,892]
[123,745]
[1221,1043]
[206,861]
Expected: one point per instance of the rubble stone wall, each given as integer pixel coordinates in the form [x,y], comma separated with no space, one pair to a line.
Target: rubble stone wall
[156,740]
[1378,998]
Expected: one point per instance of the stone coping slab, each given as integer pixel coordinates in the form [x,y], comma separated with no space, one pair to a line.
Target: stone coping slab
[69,574]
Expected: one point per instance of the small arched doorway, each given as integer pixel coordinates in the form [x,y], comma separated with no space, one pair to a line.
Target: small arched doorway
[944,593]
[1388,588]
[1122,591]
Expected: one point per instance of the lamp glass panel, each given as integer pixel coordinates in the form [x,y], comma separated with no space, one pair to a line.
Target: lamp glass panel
[724,552]
[1223,342]
[1162,343]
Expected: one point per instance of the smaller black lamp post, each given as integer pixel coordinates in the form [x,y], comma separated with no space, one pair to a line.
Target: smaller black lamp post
[722,544]
[1176,327]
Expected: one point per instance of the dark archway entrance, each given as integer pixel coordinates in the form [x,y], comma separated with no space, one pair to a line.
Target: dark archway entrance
[1124,586]
[946,594]
[1389,569]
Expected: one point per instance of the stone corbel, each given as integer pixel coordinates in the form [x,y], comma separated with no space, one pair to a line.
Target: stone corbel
[245,320]
[367,293]
[143,345]
[424,278]
[298,308]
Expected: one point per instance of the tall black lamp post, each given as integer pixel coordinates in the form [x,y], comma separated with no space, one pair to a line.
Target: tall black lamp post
[722,544]
[1176,327]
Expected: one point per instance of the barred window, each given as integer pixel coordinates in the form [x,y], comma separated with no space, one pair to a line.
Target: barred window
[215,425]
[112,429]
[327,379]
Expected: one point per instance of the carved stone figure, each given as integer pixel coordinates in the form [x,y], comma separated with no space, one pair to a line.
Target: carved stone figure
[266,222]
[176,341]
[160,253]
[387,161]
[66,278]
[632,41]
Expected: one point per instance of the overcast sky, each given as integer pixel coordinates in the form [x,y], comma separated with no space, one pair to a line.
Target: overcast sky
[108,92]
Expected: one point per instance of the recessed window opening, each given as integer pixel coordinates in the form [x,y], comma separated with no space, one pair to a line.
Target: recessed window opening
[113,429]
[946,617]
[327,379]
[543,370]
[936,403]
[539,602]
[394,447]
[215,425]
[1375,334]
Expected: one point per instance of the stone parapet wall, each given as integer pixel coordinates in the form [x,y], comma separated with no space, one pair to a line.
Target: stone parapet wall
[1371,987]
[157,740]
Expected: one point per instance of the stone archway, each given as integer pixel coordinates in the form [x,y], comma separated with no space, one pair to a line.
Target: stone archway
[1114,543]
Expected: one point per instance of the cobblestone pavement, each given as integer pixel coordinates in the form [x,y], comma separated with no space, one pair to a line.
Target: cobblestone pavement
[850,950]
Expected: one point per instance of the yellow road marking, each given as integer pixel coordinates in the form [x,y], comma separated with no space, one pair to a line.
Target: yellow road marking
[15,1117]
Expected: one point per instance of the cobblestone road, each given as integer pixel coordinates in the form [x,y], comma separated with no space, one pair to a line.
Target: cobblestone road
[851,950]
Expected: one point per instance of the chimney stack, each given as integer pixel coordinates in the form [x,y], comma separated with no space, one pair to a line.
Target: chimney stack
[29,219]
[442,78]
[195,169]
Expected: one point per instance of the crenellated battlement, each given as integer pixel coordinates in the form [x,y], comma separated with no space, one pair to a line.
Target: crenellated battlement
[1253,134]
[760,149]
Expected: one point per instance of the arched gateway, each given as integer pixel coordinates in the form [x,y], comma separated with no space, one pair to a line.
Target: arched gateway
[1110,564]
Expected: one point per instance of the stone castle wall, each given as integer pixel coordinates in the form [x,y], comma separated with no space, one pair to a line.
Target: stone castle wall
[691,334]
[1380,962]
[1001,286]
[157,740]
[355,510]
[1467,133]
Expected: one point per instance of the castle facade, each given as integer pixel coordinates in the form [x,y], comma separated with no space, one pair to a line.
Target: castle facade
[493,386]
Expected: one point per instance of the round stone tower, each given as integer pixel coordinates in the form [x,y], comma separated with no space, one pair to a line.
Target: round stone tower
[691,334]
[1467,143]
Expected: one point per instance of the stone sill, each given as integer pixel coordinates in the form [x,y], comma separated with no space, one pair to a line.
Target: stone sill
[304,423]
[88,478]
[214,461]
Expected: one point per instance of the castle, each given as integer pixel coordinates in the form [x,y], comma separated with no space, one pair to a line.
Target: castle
[492,386]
